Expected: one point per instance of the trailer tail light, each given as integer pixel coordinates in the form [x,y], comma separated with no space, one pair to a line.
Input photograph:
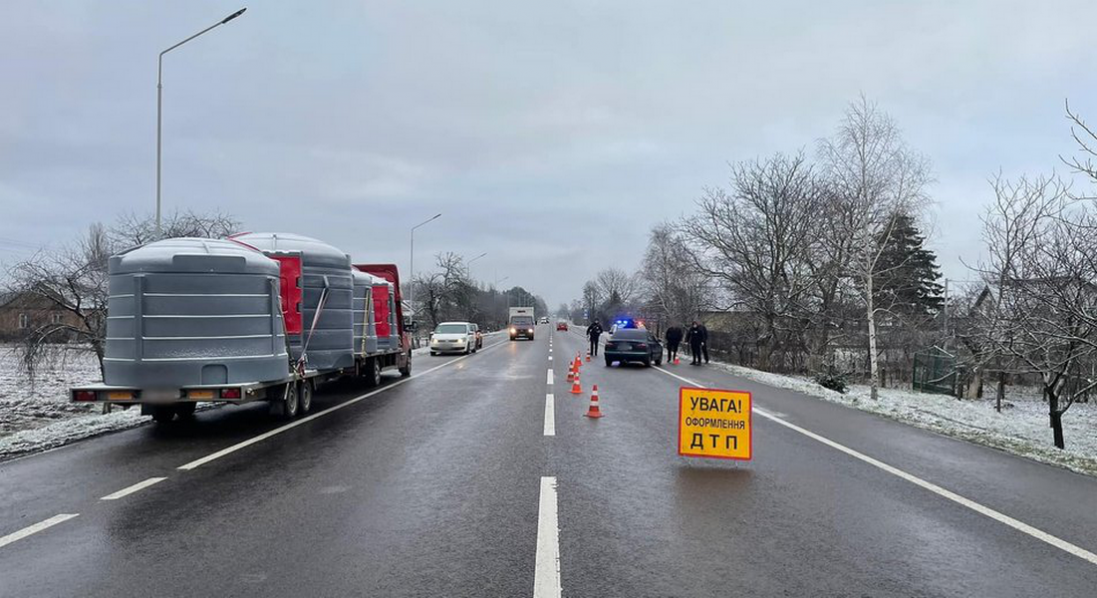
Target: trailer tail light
[230,393]
[83,395]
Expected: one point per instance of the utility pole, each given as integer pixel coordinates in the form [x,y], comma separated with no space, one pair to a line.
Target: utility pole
[160,102]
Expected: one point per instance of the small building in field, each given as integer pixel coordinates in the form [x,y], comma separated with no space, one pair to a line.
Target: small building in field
[23,312]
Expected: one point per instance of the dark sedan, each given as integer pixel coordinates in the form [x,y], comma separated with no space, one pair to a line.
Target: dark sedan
[633,344]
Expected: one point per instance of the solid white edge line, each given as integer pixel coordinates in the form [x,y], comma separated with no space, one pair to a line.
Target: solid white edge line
[546,573]
[307,419]
[37,527]
[134,488]
[550,377]
[550,415]
[998,516]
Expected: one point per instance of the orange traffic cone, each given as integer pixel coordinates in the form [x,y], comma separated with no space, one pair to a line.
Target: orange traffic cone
[594,411]
[576,388]
[676,360]
[588,355]
[578,363]
[571,371]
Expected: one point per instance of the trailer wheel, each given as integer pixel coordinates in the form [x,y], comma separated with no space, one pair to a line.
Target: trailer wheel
[406,370]
[373,372]
[163,414]
[304,396]
[289,401]
[185,410]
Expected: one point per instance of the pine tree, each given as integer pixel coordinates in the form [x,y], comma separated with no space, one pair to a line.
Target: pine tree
[908,272]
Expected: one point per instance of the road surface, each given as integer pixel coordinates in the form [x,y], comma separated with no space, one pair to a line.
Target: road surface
[470,480]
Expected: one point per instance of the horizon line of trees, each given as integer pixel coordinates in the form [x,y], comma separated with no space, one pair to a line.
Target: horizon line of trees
[447,293]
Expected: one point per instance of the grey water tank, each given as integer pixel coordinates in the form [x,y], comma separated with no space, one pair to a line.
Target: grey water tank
[365,333]
[331,345]
[185,312]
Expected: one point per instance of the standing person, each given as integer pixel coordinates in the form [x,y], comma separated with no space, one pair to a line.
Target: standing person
[695,338]
[704,341]
[594,332]
[674,338]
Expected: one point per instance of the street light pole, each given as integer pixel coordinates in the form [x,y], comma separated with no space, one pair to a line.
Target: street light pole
[468,265]
[411,261]
[160,102]
[497,282]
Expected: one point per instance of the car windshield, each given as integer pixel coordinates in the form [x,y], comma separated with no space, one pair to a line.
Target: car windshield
[451,329]
[630,334]
[522,321]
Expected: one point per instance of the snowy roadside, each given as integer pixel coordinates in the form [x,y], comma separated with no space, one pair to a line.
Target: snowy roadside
[1021,429]
[39,417]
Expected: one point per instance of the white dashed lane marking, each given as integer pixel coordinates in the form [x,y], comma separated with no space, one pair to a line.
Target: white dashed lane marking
[550,415]
[30,530]
[546,573]
[134,488]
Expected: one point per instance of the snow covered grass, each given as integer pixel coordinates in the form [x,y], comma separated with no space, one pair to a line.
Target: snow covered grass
[38,416]
[1021,428]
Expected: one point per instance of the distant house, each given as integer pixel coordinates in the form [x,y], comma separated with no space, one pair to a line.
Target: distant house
[22,312]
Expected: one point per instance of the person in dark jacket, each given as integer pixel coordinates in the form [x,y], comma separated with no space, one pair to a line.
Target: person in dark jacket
[696,339]
[674,338]
[594,332]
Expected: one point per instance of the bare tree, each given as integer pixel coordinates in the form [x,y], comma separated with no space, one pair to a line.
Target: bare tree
[592,300]
[875,177]
[133,229]
[1086,139]
[756,239]
[676,289]
[616,284]
[446,292]
[1040,272]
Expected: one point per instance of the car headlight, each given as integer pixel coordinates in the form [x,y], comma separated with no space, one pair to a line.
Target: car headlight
[513,330]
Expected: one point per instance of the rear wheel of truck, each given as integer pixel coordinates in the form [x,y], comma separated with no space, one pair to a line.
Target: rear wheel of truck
[163,414]
[304,396]
[185,411]
[405,371]
[372,372]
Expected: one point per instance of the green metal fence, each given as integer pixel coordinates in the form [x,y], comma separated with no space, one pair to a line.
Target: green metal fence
[934,371]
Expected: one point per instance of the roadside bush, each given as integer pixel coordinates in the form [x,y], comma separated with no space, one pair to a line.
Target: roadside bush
[832,379]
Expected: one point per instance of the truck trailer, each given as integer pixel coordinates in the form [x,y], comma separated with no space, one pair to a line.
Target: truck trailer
[256,317]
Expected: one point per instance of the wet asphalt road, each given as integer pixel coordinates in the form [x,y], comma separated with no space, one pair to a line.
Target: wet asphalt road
[430,487]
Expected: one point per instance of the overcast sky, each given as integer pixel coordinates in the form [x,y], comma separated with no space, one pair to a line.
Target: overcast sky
[551,135]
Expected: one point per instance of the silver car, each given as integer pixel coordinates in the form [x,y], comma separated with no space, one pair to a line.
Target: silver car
[453,337]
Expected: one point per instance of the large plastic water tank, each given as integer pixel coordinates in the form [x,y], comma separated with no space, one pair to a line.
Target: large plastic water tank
[332,343]
[188,311]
